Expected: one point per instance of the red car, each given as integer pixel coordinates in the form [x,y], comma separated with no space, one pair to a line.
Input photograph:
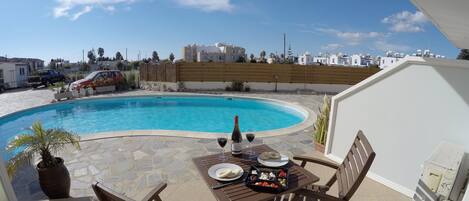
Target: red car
[99,79]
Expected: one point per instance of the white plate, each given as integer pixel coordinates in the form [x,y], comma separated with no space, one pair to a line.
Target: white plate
[274,163]
[212,171]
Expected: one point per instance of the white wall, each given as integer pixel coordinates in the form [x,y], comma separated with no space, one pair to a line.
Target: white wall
[6,190]
[264,86]
[405,110]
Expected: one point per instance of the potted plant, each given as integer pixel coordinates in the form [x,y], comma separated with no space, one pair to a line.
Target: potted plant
[54,177]
[60,91]
[321,125]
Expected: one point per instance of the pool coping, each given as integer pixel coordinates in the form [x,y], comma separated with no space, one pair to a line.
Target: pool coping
[310,118]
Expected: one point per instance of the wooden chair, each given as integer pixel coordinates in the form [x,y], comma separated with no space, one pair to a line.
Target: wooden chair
[423,193]
[104,193]
[349,175]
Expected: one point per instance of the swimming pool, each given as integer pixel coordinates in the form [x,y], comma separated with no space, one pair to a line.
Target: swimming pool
[212,114]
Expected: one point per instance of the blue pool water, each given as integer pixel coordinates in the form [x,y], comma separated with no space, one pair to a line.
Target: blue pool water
[191,113]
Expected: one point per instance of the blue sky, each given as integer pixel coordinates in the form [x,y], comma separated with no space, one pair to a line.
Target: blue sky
[62,28]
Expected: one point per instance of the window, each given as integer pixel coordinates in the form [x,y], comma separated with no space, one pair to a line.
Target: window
[21,71]
[1,75]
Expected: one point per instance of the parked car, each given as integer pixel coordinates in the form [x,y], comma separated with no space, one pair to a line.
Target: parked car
[45,78]
[99,79]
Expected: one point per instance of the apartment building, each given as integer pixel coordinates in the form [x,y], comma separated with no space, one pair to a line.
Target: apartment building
[220,52]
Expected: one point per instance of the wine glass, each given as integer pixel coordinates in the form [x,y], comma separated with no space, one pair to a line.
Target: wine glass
[222,142]
[250,137]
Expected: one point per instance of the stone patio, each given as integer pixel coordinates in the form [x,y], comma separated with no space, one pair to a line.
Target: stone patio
[134,165]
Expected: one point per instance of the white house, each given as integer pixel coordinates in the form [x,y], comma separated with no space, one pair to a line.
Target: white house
[356,60]
[333,60]
[13,75]
[321,58]
[306,59]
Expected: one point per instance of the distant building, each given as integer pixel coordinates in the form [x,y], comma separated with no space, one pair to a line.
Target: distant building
[14,74]
[306,59]
[333,59]
[321,59]
[220,52]
[32,63]
[390,58]
[361,60]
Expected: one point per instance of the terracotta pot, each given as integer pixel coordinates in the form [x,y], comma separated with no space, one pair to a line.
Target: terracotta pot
[55,182]
[319,147]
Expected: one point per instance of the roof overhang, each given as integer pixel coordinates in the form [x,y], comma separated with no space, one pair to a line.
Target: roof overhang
[451,17]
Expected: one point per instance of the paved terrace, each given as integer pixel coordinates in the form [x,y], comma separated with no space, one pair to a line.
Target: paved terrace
[133,165]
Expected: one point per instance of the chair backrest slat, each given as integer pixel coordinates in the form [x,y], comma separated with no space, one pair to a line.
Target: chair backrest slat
[358,159]
[342,180]
[355,166]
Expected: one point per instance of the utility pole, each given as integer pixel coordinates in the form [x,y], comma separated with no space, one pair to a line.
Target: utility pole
[82,56]
[126,54]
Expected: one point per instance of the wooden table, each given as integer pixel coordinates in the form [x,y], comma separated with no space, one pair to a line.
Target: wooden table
[298,177]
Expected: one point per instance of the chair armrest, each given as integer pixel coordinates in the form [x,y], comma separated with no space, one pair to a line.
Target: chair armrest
[154,194]
[315,195]
[305,159]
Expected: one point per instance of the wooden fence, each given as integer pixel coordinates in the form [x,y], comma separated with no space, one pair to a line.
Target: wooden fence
[252,72]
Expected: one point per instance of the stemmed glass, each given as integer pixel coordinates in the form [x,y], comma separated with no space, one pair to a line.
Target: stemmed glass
[250,137]
[222,142]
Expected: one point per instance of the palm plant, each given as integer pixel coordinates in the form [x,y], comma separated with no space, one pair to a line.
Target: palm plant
[322,122]
[44,142]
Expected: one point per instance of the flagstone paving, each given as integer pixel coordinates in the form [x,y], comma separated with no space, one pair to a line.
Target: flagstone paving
[134,165]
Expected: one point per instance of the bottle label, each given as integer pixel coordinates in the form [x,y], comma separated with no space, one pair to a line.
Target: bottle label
[236,148]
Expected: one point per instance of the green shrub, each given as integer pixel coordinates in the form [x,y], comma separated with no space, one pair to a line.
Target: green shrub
[322,122]
[237,86]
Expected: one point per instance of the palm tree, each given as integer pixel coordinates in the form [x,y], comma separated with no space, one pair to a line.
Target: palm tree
[171,57]
[101,52]
[44,142]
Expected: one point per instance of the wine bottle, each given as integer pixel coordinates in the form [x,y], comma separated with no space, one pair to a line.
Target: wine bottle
[236,139]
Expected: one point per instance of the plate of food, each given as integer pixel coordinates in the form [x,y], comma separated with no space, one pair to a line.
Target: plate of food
[267,179]
[225,172]
[272,159]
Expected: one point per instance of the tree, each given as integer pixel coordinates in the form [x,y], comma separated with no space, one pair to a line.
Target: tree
[119,56]
[171,57]
[91,56]
[155,57]
[252,58]
[262,55]
[101,52]
[241,59]
[464,54]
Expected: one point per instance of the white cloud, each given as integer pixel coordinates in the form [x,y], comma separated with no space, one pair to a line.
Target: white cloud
[208,5]
[85,10]
[332,47]
[406,21]
[384,46]
[73,9]
[352,38]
